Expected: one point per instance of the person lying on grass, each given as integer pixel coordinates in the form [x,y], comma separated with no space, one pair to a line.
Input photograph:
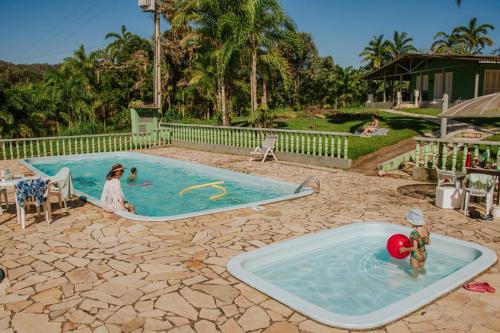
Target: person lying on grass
[372,128]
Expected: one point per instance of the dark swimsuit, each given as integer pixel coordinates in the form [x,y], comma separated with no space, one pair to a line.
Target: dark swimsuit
[420,254]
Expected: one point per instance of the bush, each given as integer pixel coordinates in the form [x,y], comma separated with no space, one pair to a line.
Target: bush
[82,128]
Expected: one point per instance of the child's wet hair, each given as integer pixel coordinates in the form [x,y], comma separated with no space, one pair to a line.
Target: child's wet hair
[133,170]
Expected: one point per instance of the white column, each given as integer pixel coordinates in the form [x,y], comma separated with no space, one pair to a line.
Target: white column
[476,85]
[417,96]
[444,121]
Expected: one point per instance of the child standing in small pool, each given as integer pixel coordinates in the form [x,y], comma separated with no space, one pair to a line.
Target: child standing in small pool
[133,175]
[419,237]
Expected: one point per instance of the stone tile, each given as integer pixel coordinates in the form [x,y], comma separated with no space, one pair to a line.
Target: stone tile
[78,262]
[205,326]
[122,266]
[174,303]
[281,327]
[132,325]
[157,325]
[231,326]
[80,317]
[310,326]
[34,323]
[254,318]
[398,327]
[47,297]
[122,316]
[222,292]
[210,314]
[198,299]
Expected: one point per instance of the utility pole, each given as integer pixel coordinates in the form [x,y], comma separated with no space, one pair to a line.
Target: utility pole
[154,7]
[157,59]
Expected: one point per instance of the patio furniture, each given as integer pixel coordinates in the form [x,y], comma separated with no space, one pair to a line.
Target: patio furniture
[32,191]
[448,178]
[3,192]
[481,186]
[61,186]
[492,172]
[266,150]
[448,191]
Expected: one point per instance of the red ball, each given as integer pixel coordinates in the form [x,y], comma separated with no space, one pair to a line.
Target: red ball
[395,242]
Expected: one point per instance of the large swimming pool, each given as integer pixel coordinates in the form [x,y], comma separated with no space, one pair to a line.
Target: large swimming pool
[344,277]
[156,193]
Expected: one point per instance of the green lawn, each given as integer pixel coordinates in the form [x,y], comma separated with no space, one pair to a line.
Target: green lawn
[401,127]
[424,111]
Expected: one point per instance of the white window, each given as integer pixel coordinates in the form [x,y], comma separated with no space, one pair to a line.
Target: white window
[448,83]
[422,83]
[425,83]
[491,81]
[438,86]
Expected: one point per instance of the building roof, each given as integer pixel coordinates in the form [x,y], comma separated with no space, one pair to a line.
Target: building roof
[412,63]
[487,106]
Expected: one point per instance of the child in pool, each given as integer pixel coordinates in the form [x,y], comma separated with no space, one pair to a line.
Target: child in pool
[133,175]
[419,237]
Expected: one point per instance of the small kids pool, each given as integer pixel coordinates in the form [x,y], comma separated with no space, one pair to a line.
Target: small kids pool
[155,194]
[345,278]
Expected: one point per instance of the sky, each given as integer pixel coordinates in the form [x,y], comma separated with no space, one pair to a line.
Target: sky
[47,31]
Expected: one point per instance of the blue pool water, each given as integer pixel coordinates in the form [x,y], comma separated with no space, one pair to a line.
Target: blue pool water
[356,277]
[168,178]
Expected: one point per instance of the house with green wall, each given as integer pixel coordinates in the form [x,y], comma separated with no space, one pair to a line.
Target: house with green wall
[423,79]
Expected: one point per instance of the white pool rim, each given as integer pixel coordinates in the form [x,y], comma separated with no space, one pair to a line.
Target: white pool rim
[238,267]
[144,218]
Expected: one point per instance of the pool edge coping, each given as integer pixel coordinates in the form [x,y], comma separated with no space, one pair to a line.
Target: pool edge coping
[143,218]
[427,295]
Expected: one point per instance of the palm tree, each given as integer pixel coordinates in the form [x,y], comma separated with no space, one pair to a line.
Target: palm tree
[474,36]
[400,45]
[206,25]
[376,53]
[258,26]
[448,44]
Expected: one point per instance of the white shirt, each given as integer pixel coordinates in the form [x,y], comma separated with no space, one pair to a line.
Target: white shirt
[112,196]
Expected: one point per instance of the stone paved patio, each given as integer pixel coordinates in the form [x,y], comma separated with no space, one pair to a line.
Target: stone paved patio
[91,271]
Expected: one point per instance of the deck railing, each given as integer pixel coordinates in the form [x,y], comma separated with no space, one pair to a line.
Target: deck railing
[451,154]
[316,143]
[81,144]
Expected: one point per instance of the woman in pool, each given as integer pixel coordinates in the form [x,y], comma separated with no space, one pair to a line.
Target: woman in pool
[419,237]
[112,194]
[133,175]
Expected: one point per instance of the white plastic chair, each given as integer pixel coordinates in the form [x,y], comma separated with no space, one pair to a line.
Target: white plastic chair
[447,178]
[21,210]
[266,149]
[3,192]
[473,190]
[61,186]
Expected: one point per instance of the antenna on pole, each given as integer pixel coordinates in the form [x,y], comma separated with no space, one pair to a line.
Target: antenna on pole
[152,6]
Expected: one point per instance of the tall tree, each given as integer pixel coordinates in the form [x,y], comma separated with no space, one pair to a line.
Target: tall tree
[448,44]
[376,54]
[259,26]
[474,36]
[400,45]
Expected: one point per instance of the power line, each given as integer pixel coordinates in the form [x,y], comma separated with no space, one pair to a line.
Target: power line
[68,52]
[65,29]
[53,27]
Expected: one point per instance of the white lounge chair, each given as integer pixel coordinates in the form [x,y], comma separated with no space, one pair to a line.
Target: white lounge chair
[266,150]
[61,186]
